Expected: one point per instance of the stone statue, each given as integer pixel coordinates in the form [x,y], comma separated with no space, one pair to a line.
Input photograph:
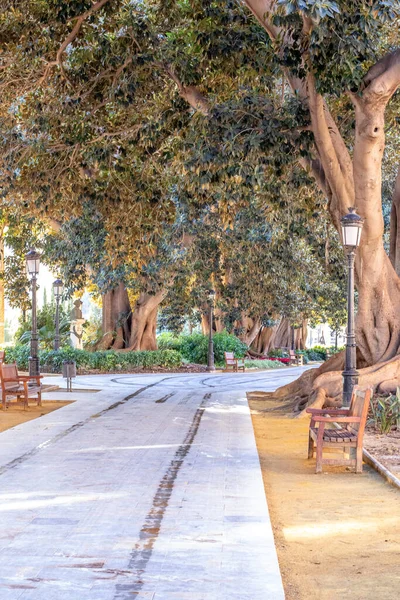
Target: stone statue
[76,327]
[76,312]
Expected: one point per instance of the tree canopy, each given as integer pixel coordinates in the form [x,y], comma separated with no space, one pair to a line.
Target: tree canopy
[135,109]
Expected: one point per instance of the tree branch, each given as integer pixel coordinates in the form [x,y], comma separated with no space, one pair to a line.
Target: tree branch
[69,39]
[326,149]
[189,93]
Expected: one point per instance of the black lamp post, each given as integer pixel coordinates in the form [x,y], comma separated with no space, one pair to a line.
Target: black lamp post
[210,360]
[58,289]
[32,267]
[351,234]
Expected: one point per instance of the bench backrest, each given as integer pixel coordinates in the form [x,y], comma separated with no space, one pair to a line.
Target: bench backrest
[2,355]
[292,354]
[9,375]
[9,372]
[229,357]
[359,408]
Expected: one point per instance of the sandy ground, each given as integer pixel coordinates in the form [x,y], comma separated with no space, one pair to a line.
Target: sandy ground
[338,533]
[14,415]
[386,448]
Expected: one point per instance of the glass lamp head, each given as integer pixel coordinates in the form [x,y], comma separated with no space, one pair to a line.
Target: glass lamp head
[32,263]
[58,288]
[352,225]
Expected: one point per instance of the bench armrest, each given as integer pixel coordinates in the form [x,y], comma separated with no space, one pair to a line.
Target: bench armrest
[327,411]
[319,419]
[29,377]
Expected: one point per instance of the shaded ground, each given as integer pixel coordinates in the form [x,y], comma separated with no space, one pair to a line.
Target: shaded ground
[15,415]
[337,534]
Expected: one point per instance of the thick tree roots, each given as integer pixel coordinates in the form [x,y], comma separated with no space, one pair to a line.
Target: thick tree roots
[322,387]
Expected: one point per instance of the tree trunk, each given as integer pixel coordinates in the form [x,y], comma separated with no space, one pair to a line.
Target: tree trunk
[144,320]
[115,319]
[265,340]
[205,323]
[124,329]
[378,318]
[281,336]
[250,327]
[395,227]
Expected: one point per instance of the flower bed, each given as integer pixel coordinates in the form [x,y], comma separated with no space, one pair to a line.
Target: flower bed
[285,361]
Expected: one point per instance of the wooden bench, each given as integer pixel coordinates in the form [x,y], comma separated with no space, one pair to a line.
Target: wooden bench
[233,363]
[346,435]
[16,386]
[295,359]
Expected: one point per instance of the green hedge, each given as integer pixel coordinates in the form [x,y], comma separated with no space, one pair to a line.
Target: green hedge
[318,353]
[263,364]
[107,360]
[194,347]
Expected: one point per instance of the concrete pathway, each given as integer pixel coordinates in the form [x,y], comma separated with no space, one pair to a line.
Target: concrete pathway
[150,489]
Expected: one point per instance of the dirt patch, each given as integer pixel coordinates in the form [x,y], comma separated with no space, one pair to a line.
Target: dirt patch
[385,448]
[338,533]
[15,415]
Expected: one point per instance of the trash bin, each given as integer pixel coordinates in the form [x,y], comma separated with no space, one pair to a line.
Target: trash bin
[69,372]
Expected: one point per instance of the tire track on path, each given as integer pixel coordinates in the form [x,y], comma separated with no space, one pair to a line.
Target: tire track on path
[142,552]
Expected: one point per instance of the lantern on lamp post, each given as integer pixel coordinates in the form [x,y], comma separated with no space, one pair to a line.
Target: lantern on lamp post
[352,225]
[210,358]
[32,268]
[58,288]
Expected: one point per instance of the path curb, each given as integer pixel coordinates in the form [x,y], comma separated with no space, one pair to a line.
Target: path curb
[383,471]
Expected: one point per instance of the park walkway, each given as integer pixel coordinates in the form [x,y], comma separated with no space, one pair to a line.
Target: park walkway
[150,489]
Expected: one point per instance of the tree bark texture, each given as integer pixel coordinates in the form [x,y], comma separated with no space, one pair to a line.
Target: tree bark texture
[144,321]
[249,327]
[127,329]
[395,227]
[280,336]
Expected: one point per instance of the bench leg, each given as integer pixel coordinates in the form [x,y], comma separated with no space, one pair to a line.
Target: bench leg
[359,463]
[310,447]
[318,467]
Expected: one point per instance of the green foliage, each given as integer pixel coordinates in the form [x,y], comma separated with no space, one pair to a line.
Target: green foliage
[385,412]
[315,355]
[194,347]
[167,341]
[107,361]
[92,330]
[46,327]
[263,364]
[277,353]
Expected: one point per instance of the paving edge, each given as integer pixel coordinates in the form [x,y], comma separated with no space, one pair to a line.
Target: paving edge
[383,471]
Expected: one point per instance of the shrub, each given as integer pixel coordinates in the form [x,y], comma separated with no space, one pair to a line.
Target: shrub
[276,353]
[194,347]
[263,364]
[106,360]
[167,341]
[318,353]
